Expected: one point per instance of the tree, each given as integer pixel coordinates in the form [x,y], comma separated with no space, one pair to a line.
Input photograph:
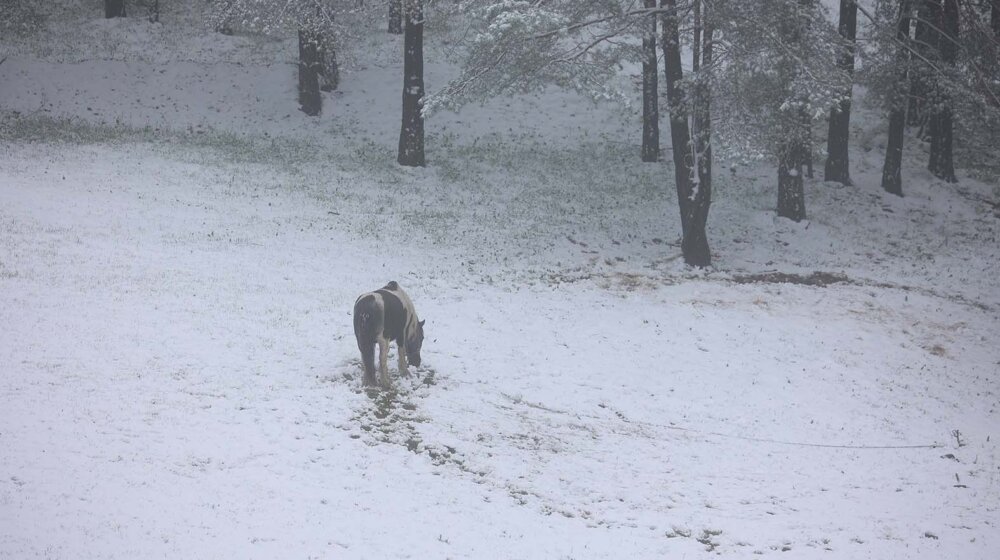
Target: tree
[650,95]
[320,25]
[396,17]
[995,18]
[310,101]
[775,76]
[114,8]
[411,132]
[837,166]
[696,251]
[945,28]
[892,180]
[693,198]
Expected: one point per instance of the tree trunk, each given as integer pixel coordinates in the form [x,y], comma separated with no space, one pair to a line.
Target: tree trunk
[329,69]
[925,43]
[995,18]
[114,8]
[837,168]
[310,101]
[650,95]
[396,17]
[791,194]
[942,163]
[694,243]
[807,142]
[411,132]
[794,148]
[892,177]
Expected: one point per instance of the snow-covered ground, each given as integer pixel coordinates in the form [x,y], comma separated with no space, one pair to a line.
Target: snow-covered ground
[180,250]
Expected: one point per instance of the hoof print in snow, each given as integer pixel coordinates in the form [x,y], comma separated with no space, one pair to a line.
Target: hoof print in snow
[707,539]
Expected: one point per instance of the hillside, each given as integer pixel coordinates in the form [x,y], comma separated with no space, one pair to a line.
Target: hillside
[180,250]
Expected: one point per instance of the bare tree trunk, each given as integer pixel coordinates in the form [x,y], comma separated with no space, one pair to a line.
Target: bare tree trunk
[694,244]
[892,177]
[396,17]
[924,42]
[310,101]
[411,132]
[650,93]
[114,8]
[942,163]
[837,166]
[995,18]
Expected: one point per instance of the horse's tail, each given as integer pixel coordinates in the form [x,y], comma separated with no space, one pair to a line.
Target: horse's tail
[367,327]
[365,319]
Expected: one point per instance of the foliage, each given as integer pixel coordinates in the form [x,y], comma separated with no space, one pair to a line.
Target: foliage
[776,66]
[19,18]
[514,46]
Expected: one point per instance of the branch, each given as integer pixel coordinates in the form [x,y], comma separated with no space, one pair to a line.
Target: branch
[906,46]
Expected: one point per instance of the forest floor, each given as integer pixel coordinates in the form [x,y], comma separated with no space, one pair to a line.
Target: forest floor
[180,250]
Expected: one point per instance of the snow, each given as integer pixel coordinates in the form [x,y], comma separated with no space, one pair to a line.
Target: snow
[180,379]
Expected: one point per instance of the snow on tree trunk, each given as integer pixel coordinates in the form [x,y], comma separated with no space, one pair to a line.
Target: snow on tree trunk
[396,17]
[310,101]
[837,166]
[694,243]
[411,133]
[650,95]
[791,194]
[114,8]
[892,178]
[941,162]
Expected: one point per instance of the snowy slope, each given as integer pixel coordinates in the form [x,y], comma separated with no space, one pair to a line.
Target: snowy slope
[179,375]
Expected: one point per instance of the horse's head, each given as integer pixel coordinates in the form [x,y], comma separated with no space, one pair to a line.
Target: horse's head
[413,345]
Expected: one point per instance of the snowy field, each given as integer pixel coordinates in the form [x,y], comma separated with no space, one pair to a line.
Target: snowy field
[180,250]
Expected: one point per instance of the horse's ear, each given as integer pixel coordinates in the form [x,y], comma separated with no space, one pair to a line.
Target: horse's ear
[422,323]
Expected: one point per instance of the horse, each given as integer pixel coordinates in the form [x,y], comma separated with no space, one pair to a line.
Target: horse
[383,316]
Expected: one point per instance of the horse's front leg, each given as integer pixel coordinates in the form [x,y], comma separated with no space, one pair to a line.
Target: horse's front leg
[401,350]
[383,366]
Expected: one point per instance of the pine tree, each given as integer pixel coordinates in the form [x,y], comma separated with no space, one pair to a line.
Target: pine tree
[411,132]
[995,18]
[837,166]
[396,17]
[650,94]
[892,180]
[310,101]
[114,8]
[941,162]
[693,201]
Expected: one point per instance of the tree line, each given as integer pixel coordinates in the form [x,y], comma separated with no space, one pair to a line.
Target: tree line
[748,79]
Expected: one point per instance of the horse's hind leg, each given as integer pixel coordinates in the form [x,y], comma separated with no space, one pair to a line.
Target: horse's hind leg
[368,360]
